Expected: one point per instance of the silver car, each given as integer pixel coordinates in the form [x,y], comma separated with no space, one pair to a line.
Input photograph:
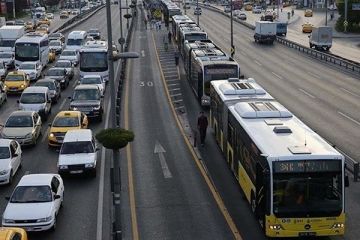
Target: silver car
[53,86]
[3,70]
[67,65]
[23,126]
[71,55]
[8,58]
[56,45]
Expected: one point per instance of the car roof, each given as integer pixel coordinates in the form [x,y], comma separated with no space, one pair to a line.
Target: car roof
[36,89]
[16,73]
[21,113]
[86,86]
[68,114]
[45,80]
[36,179]
[63,60]
[5,142]
[78,135]
[92,76]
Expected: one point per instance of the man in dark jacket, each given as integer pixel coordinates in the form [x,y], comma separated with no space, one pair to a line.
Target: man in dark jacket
[202,126]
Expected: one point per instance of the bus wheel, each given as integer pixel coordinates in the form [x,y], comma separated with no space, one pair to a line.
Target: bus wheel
[253,202]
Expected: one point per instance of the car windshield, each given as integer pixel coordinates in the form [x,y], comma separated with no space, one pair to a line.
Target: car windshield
[66,122]
[63,64]
[31,194]
[6,55]
[2,66]
[91,81]
[30,98]
[49,85]
[93,31]
[54,35]
[54,43]
[14,78]
[68,53]
[27,66]
[77,147]
[4,152]
[55,72]
[19,121]
[74,42]
[86,94]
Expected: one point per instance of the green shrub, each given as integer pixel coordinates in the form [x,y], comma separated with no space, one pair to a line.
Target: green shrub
[115,138]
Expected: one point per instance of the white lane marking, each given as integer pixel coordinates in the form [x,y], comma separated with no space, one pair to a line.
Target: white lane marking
[75,83]
[179,107]
[350,118]
[243,53]
[277,75]
[175,95]
[354,94]
[99,223]
[173,84]
[306,93]
[180,100]
[174,89]
[258,63]
[314,75]
[45,135]
[62,104]
[142,53]
[160,151]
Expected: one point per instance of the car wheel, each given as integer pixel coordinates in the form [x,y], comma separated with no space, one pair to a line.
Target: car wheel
[62,201]
[11,177]
[93,173]
[53,228]
[34,142]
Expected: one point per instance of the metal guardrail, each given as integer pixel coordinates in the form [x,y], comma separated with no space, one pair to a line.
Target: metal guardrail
[326,57]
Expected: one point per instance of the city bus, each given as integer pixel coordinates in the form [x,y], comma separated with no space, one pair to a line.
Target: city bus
[94,60]
[32,47]
[190,33]
[208,65]
[293,179]
[177,21]
[192,45]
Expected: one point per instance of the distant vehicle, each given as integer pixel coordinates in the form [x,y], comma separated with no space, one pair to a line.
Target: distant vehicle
[76,40]
[227,8]
[248,6]
[10,23]
[43,28]
[8,58]
[281,28]
[241,16]
[32,47]
[71,55]
[197,11]
[3,70]
[50,15]
[257,10]
[75,12]
[12,233]
[32,69]
[3,93]
[57,46]
[78,153]
[206,4]
[53,86]
[307,27]
[67,65]
[8,37]
[321,38]
[44,21]
[24,126]
[88,99]
[64,14]
[308,13]
[95,33]
[29,26]
[19,22]
[268,16]
[96,80]
[10,157]
[16,82]
[36,99]
[60,75]
[265,32]
[57,36]
[35,203]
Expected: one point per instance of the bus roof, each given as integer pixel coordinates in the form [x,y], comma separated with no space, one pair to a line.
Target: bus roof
[33,37]
[235,90]
[279,134]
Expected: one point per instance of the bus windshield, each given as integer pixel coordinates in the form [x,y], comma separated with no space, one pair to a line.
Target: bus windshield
[195,36]
[7,43]
[26,52]
[218,72]
[74,42]
[307,194]
[93,61]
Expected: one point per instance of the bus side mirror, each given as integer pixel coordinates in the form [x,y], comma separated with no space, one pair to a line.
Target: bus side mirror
[347,182]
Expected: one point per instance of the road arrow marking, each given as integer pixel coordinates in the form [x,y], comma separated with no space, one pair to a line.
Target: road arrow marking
[160,151]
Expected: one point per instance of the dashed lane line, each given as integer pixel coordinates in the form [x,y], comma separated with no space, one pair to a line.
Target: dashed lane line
[306,93]
[350,118]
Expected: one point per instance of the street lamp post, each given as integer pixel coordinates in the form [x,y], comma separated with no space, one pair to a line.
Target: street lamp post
[121,40]
[14,15]
[232,48]
[197,12]
[326,12]
[127,12]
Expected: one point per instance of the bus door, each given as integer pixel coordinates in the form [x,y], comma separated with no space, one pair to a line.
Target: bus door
[261,193]
[200,85]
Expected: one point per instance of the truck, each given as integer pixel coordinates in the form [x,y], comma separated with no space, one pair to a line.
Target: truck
[265,32]
[321,38]
[8,36]
[281,28]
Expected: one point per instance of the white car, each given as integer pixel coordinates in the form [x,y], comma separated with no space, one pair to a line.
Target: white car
[32,69]
[3,93]
[56,45]
[50,15]
[8,58]
[3,70]
[71,55]
[10,160]
[94,79]
[257,10]
[35,203]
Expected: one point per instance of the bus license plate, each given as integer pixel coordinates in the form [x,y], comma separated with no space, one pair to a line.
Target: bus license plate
[76,171]
[307,234]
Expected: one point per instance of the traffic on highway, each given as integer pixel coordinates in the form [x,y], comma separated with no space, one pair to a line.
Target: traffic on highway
[247,145]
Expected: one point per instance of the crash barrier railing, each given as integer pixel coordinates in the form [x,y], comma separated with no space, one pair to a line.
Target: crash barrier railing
[77,19]
[326,57]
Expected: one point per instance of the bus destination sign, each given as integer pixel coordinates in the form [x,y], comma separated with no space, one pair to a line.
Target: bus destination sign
[301,166]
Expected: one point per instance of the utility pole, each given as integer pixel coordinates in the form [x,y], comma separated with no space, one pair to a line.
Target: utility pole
[127,12]
[116,159]
[232,49]
[121,40]
[14,15]
[79,7]
[197,12]
[326,12]
[346,15]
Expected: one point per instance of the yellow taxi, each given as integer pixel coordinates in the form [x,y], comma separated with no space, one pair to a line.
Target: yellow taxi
[52,55]
[29,26]
[16,82]
[307,27]
[64,14]
[7,233]
[248,7]
[308,13]
[44,21]
[43,28]
[64,121]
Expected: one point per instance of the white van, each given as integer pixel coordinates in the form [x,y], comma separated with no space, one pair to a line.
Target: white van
[76,40]
[36,99]
[78,153]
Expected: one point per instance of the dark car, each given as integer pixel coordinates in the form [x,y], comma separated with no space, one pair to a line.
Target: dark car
[53,86]
[60,75]
[95,33]
[20,22]
[67,65]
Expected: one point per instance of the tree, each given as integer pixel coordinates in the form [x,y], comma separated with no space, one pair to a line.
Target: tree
[115,138]
[353,16]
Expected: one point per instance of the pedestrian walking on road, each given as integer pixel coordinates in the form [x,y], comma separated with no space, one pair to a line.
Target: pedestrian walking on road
[145,23]
[159,25]
[166,43]
[176,55]
[202,125]
[169,37]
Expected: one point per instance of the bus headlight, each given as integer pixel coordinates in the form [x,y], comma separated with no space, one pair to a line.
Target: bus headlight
[275,227]
[338,225]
